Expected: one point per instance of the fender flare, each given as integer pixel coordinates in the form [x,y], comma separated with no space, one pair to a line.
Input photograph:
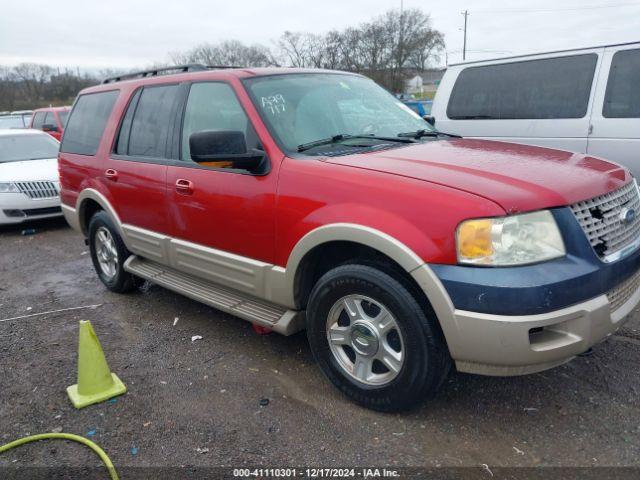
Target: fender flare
[361,234]
[100,199]
[282,283]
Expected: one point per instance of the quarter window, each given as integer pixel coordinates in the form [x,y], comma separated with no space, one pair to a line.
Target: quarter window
[151,121]
[622,99]
[550,88]
[87,121]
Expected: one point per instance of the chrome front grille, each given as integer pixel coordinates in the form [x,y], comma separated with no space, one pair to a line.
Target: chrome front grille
[611,221]
[42,189]
[620,294]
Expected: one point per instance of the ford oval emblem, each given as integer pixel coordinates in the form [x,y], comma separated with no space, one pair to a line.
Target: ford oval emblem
[628,215]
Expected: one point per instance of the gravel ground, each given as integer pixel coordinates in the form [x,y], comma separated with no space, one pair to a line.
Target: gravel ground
[196,405]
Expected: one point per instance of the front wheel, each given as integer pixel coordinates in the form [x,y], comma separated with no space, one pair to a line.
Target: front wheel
[108,254]
[373,340]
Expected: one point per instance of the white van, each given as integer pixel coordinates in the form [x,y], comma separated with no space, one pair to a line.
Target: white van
[585,100]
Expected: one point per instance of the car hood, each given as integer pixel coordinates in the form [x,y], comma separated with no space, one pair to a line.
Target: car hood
[29,170]
[517,177]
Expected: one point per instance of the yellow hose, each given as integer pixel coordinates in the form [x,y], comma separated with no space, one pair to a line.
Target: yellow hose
[65,436]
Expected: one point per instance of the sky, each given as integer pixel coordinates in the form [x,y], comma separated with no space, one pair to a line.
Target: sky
[91,34]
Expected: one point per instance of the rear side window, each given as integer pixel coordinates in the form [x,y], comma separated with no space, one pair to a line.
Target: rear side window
[549,88]
[151,122]
[622,99]
[38,120]
[87,121]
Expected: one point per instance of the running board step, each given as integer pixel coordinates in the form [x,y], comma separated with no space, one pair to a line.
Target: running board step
[277,318]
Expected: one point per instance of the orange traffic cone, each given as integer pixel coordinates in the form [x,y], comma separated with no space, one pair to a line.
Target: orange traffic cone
[96,383]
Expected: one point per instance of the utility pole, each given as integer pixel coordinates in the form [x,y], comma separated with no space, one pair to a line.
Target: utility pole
[464,47]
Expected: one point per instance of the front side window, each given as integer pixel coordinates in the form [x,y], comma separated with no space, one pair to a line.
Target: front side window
[151,122]
[302,108]
[17,148]
[550,88]
[622,99]
[87,121]
[50,120]
[38,120]
[214,106]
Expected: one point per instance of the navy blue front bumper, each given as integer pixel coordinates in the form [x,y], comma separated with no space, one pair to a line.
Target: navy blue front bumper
[542,287]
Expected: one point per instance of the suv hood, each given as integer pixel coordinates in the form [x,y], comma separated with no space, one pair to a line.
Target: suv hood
[517,177]
[29,170]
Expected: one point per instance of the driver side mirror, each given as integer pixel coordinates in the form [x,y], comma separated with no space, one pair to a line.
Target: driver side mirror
[430,120]
[49,127]
[221,145]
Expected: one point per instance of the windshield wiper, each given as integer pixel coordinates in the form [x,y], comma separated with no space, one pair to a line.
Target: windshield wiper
[426,133]
[344,136]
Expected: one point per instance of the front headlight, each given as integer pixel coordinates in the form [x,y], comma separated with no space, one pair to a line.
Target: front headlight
[513,240]
[8,187]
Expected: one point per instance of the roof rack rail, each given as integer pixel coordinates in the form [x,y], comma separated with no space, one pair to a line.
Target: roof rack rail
[192,67]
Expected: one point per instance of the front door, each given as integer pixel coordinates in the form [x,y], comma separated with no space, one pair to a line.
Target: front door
[222,218]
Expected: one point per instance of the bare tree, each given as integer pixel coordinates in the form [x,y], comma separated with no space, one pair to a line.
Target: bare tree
[293,49]
[29,86]
[32,78]
[230,53]
[385,48]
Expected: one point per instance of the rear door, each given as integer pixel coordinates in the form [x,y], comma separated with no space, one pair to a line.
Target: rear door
[136,171]
[616,114]
[538,101]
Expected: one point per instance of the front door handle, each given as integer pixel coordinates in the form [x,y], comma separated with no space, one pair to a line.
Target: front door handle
[111,174]
[184,187]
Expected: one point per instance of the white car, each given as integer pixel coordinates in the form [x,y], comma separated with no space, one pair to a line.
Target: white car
[29,187]
[585,100]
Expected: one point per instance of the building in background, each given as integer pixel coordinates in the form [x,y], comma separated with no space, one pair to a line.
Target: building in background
[425,83]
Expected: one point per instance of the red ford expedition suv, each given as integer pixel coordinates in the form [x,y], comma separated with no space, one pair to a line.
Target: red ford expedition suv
[310,199]
[51,120]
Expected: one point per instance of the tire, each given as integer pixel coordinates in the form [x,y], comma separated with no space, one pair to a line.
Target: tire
[387,369]
[116,278]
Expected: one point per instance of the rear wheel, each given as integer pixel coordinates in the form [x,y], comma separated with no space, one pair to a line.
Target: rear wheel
[372,339]
[109,253]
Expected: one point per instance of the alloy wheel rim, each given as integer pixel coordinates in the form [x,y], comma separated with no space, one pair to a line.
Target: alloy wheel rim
[106,252]
[365,339]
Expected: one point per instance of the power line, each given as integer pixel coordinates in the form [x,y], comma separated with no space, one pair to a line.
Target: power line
[565,9]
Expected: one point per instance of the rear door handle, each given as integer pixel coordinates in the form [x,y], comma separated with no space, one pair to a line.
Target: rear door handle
[184,187]
[111,174]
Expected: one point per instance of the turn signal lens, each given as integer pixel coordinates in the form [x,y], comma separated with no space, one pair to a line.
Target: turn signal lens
[474,239]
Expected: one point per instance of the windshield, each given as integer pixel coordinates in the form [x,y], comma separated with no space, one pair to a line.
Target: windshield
[13,121]
[63,116]
[302,108]
[14,148]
